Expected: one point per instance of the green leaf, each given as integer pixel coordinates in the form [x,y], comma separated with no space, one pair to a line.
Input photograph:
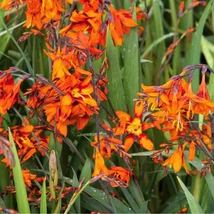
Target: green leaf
[43,204]
[208,50]
[86,171]
[2,203]
[21,194]
[131,66]
[136,193]
[193,204]
[144,207]
[75,183]
[39,58]
[30,69]
[209,177]
[131,200]
[101,197]
[115,86]
[158,33]
[194,52]
[147,153]
[210,182]
[155,43]
[76,196]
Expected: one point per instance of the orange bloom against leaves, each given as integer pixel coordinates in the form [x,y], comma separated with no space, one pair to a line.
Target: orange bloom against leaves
[119,176]
[192,150]
[10,4]
[52,9]
[116,176]
[83,42]
[28,177]
[9,92]
[66,101]
[207,106]
[107,145]
[60,62]
[33,14]
[177,159]
[100,166]
[120,22]
[27,144]
[88,21]
[40,12]
[134,127]
[101,85]
[190,100]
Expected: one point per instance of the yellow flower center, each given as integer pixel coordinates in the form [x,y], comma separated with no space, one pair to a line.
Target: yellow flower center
[135,127]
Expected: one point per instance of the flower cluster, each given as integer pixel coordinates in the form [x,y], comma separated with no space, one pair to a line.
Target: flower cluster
[74,39]
[174,108]
[73,96]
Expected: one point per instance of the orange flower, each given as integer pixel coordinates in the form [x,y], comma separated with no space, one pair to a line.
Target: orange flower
[116,176]
[134,127]
[100,166]
[61,62]
[65,101]
[13,96]
[9,92]
[28,177]
[33,14]
[120,176]
[177,159]
[84,42]
[27,144]
[192,149]
[34,100]
[120,23]
[52,9]
[10,4]
[191,103]
[89,20]
[106,144]
[206,106]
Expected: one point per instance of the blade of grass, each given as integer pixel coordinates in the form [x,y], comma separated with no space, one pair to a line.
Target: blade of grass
[147,153]
[130,200]
[193,204]
[86,171]
[30,69]
[5,181]
[75,183]
[40,60]
[131,66]
[115,87]
[209,177]
[2,33]
[176,64]
[208,51]
[21,194]
[144,207]
[158,26]
[155,43]
[194,52]
[186,22]
[75,197]
[43,204]
[102,198]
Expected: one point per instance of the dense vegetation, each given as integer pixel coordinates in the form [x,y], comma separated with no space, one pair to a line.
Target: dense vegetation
[106,106]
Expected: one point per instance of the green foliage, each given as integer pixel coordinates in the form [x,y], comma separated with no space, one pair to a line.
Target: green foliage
[115,81]
[138,60]
[43,204]
[21,194]
[193,204]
